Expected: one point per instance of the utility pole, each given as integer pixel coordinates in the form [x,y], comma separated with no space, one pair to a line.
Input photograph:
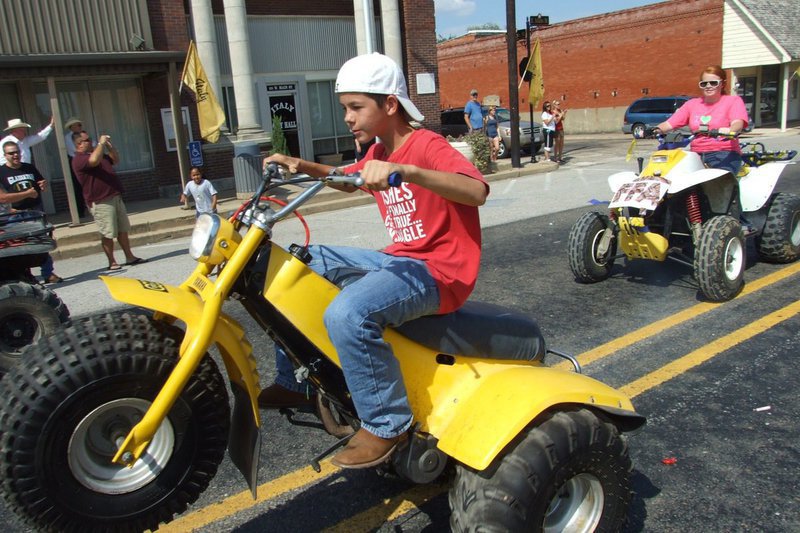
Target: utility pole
[513,105]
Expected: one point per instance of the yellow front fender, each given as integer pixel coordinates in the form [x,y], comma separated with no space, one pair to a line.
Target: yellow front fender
[186,306]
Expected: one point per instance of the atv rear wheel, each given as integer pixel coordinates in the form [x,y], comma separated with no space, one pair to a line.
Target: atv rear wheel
[69,404]
[569,473]
[720,258]
[27,314]
[780,240]
[585,261]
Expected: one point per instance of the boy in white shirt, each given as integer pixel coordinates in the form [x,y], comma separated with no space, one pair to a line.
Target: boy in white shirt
[203,192]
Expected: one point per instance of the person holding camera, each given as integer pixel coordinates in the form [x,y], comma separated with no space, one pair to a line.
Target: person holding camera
[21,185]
[102,191]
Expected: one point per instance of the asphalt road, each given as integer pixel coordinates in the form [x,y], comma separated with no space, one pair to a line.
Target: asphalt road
[715,381]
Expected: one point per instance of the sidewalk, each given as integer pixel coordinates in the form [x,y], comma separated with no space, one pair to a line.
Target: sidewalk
[162,219]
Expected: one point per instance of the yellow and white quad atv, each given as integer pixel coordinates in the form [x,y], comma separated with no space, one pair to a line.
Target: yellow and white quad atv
[677,209]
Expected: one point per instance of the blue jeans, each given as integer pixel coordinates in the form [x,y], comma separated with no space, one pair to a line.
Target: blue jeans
[393,291]
[730,161]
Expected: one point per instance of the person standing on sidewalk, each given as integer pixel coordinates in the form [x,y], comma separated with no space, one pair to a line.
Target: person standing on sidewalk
[21,186]
[473,114]
[548,129]
[558,145]
[18,133]
[102,191]
[203,192]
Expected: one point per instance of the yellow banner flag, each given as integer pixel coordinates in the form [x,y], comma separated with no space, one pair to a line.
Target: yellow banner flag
[536,93]
[208,109]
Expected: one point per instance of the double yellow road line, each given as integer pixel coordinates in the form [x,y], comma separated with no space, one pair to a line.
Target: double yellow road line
[410,499]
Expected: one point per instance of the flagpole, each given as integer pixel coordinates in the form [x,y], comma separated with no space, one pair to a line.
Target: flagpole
[526,68]
[186,64]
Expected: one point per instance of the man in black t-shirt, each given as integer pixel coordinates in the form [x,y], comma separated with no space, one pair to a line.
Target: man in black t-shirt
[21,185]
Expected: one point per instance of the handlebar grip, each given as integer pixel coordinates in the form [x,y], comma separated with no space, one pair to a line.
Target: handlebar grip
[395,179]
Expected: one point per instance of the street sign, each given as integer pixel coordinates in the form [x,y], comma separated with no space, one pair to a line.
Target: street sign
[195,154]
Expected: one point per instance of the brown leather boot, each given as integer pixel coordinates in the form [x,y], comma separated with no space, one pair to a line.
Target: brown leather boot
[277,397]
[366,450]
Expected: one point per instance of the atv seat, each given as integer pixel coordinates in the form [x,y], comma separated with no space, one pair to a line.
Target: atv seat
[477,329]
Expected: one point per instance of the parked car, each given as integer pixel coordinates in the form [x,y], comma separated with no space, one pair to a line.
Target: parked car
[649,112]
[453,125]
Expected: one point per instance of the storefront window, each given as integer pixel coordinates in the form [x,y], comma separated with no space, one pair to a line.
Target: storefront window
[9,103]
[769,93]
[329,133]
[111,107]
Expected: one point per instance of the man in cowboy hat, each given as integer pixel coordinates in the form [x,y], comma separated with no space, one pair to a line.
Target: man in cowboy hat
[74,125]
[18,132]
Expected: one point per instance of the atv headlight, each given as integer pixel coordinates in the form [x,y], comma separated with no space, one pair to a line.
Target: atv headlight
[214,239]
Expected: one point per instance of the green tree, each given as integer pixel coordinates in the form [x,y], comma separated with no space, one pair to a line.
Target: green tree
[278,138]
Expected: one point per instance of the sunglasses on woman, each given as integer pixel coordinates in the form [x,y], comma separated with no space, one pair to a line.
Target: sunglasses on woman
[709,83]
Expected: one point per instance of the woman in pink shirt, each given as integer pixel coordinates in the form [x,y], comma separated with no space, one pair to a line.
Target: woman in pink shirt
[715,110]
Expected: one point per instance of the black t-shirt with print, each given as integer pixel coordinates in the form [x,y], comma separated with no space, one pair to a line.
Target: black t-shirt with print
[21,179]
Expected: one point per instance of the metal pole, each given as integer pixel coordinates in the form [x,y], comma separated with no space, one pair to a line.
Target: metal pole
[177,123]
[369,26]
[530,104]
[513,105]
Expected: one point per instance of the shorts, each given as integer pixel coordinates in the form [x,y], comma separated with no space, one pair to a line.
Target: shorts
[111,217]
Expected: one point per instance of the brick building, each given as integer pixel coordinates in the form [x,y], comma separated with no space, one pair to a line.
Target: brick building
[598,65]
[118,72]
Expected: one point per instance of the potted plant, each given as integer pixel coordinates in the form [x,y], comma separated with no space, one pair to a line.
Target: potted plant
[475,147]
[278,138]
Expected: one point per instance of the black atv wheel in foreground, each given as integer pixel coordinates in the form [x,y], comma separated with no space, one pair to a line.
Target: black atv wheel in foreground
[27,314]
[588,265]
[66,408]
[571,473]
[780,240]
[719,259]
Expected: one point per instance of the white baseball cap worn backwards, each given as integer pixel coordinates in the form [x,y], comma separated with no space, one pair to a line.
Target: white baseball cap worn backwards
[376,74]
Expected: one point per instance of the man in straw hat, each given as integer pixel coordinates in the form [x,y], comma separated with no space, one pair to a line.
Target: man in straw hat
[74,125]
[17,131]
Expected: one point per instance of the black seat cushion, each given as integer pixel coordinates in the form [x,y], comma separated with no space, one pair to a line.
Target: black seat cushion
[477,329]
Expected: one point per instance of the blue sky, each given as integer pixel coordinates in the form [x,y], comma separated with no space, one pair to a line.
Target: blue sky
[454,16]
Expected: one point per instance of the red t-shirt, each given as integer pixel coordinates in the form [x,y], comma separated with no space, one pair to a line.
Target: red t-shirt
[423,225]
[98,183]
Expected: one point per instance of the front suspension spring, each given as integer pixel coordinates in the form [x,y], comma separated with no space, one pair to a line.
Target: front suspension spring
[693,208]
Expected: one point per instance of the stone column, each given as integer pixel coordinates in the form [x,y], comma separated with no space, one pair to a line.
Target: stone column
[242,69]
[392,37]
[205,37]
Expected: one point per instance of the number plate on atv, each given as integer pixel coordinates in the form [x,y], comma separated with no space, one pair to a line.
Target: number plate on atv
[642,193]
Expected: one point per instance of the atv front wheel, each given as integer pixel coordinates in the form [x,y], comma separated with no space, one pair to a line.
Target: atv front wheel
[587,263]
[780,240]
[719,259]
[67,407]
[27,314]
[569,473]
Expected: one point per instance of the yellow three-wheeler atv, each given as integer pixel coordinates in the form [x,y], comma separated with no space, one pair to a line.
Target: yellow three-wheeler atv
[120,421]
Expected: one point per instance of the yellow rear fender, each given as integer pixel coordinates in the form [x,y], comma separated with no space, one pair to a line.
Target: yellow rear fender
[180,303]
[481,424]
